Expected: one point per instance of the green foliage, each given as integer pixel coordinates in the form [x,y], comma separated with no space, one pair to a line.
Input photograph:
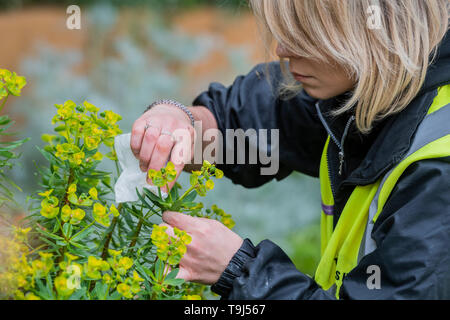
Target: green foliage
[78,244]
[306,244]
[10,85]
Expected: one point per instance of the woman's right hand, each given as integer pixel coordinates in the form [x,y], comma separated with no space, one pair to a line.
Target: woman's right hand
[162,134]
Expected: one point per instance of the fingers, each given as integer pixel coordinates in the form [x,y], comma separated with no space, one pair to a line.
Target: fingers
[166,139]
[137,134]
[150,138]
[182,151]
[184,274]
[181,221]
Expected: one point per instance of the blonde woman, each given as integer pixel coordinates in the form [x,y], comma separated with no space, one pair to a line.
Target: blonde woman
[361,98]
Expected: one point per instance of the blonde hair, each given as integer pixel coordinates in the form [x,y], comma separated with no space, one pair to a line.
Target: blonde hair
[388,63]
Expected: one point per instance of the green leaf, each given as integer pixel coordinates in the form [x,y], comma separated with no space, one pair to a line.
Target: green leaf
[82,234]
[145,272]
[190,197]
[61,243]
[172,274]
[79,245]
[78,294]
[49,243]
[48,234]
[174,282]
[43,291]
[100,290]
[114,296]
[67,230]
[141,198]
[4,120]
[159,269]
[7,154]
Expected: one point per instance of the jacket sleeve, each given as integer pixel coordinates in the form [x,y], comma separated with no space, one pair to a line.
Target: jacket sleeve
[252,102]
[412,236]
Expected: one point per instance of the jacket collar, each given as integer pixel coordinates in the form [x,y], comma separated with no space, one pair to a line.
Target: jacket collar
[387,144]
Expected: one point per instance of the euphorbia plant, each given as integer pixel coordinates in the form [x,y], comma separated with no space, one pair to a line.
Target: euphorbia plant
[84,246]
[10,85]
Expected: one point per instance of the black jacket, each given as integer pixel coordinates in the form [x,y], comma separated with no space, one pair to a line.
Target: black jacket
[413,231]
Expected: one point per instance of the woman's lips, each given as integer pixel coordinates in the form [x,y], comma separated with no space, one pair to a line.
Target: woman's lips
[301,77]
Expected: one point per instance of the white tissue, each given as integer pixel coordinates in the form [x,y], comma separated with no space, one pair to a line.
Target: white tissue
[131,177]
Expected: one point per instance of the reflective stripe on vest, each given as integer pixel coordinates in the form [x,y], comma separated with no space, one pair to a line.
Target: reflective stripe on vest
[342,246]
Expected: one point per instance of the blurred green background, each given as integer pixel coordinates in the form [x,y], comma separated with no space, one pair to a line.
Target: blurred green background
[130,53]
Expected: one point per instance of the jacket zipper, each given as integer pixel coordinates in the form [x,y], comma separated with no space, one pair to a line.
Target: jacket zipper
[340,144]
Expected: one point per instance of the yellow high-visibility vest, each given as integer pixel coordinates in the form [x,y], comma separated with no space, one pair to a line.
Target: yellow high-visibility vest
[341,247]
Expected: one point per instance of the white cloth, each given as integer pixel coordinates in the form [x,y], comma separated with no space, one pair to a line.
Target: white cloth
[131,177]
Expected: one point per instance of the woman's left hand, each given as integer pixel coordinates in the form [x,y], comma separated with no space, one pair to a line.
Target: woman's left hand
[212,247]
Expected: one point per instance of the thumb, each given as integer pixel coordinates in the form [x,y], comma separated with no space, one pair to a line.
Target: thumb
[184,274]
[180,220]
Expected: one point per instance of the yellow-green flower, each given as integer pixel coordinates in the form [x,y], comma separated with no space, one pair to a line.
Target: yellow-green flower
[31,296]
[21,234]
[107,279]
[94,266]
[66,213]
[114,253]
[114,210]
[92,142]
[65,113]
[49,211]
[46,194]
[123,265]
[90,107]
[209,184]
[112,118]
[14,83]
[77,216]
[228,221]
[61,285]
[77,158]
[48,138]
[218,173]
[192,297]
[98,156]
[206,164]
[125,290]
[71,257]
[99,213]
[72,188]
[93,193]
[41,267]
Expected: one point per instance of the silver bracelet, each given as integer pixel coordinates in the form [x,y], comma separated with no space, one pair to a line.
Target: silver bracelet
[176,104]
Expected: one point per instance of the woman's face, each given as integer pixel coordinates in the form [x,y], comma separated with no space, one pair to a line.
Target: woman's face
[320,80]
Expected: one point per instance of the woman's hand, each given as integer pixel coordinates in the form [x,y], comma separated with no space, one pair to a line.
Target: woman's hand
[169,136]
[212,247]
[154,146]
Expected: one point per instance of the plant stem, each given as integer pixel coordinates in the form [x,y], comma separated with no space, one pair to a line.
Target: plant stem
[109,236]
[186,193]
[4,102]
[117,166]
[169,193]
[138,230]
